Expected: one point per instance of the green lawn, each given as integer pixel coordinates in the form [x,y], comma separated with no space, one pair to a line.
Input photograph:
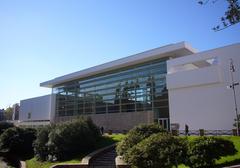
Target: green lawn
[105,141]
[33,163]
[117,137]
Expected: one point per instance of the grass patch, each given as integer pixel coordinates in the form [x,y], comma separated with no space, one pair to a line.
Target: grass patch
[34,163]
[106,140]
[116,137]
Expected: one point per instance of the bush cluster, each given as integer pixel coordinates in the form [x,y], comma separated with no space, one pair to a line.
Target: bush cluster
[52,142]
[5,125]
[40,144]
[158,150]
[136,135]
[60,141]
[150,146]
[18,141]
[204,151]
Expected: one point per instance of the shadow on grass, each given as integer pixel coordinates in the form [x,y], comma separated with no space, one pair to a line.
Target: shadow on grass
[105,141]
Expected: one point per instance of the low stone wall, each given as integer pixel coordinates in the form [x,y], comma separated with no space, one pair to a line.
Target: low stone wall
[70,166]
[120,163]
[86,160]
[116,121]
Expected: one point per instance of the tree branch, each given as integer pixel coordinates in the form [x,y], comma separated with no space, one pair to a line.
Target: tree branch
[219,29]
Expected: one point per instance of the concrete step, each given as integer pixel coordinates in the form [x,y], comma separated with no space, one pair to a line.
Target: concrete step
[105,160]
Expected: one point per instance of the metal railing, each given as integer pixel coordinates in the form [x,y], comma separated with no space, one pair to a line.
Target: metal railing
[207,132]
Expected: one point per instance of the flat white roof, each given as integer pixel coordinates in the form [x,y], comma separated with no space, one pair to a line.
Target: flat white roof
[172,50]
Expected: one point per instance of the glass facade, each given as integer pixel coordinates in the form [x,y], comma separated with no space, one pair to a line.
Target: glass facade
[132,89]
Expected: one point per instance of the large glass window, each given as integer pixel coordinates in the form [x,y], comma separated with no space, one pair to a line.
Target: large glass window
[133,89]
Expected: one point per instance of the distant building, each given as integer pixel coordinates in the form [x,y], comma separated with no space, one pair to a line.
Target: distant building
[36,111]
[172,85]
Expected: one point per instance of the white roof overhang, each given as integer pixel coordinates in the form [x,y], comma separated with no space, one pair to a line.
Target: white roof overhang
[172,51]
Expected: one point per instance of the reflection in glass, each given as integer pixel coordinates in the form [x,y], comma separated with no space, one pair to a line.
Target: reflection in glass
[133,89]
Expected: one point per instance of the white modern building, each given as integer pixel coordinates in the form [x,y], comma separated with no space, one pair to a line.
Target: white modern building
[172,85]
[37,110]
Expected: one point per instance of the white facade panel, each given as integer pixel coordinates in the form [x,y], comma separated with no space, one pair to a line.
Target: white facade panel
[172,50]
[37,109]
[194,77]
[199,97]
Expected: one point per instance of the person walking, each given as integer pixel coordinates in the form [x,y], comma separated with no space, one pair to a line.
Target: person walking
[102,130]
[186,129]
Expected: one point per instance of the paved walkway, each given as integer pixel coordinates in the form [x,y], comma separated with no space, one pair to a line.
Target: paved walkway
[105,160]
[236,166]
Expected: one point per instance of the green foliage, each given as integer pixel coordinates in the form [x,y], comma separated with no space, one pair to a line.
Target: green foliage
[18,141]
[231,15]
[204,151]
[150,146]
[8,113]
[224,161]
[40,144]
[35,163]
[66,139]
[158,150]
[237,121]
[5,125]
[136,135]
[106,140]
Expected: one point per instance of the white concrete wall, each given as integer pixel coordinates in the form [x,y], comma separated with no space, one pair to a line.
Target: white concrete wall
[41,108]
[199,96]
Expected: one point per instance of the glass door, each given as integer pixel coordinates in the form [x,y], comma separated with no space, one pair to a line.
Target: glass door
[164,123]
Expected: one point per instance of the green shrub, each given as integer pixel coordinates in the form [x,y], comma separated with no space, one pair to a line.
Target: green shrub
[158,150]
[5,125]
[40,144]
[18,141]
[66,139]
[136,135]
[204,151]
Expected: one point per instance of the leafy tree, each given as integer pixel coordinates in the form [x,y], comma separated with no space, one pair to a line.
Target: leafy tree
[231,15]
[235,121]
[8,113]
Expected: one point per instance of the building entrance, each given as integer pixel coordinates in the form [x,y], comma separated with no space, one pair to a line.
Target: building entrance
[164,123]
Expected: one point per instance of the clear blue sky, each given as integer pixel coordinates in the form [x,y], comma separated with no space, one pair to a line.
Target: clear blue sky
[44,39]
